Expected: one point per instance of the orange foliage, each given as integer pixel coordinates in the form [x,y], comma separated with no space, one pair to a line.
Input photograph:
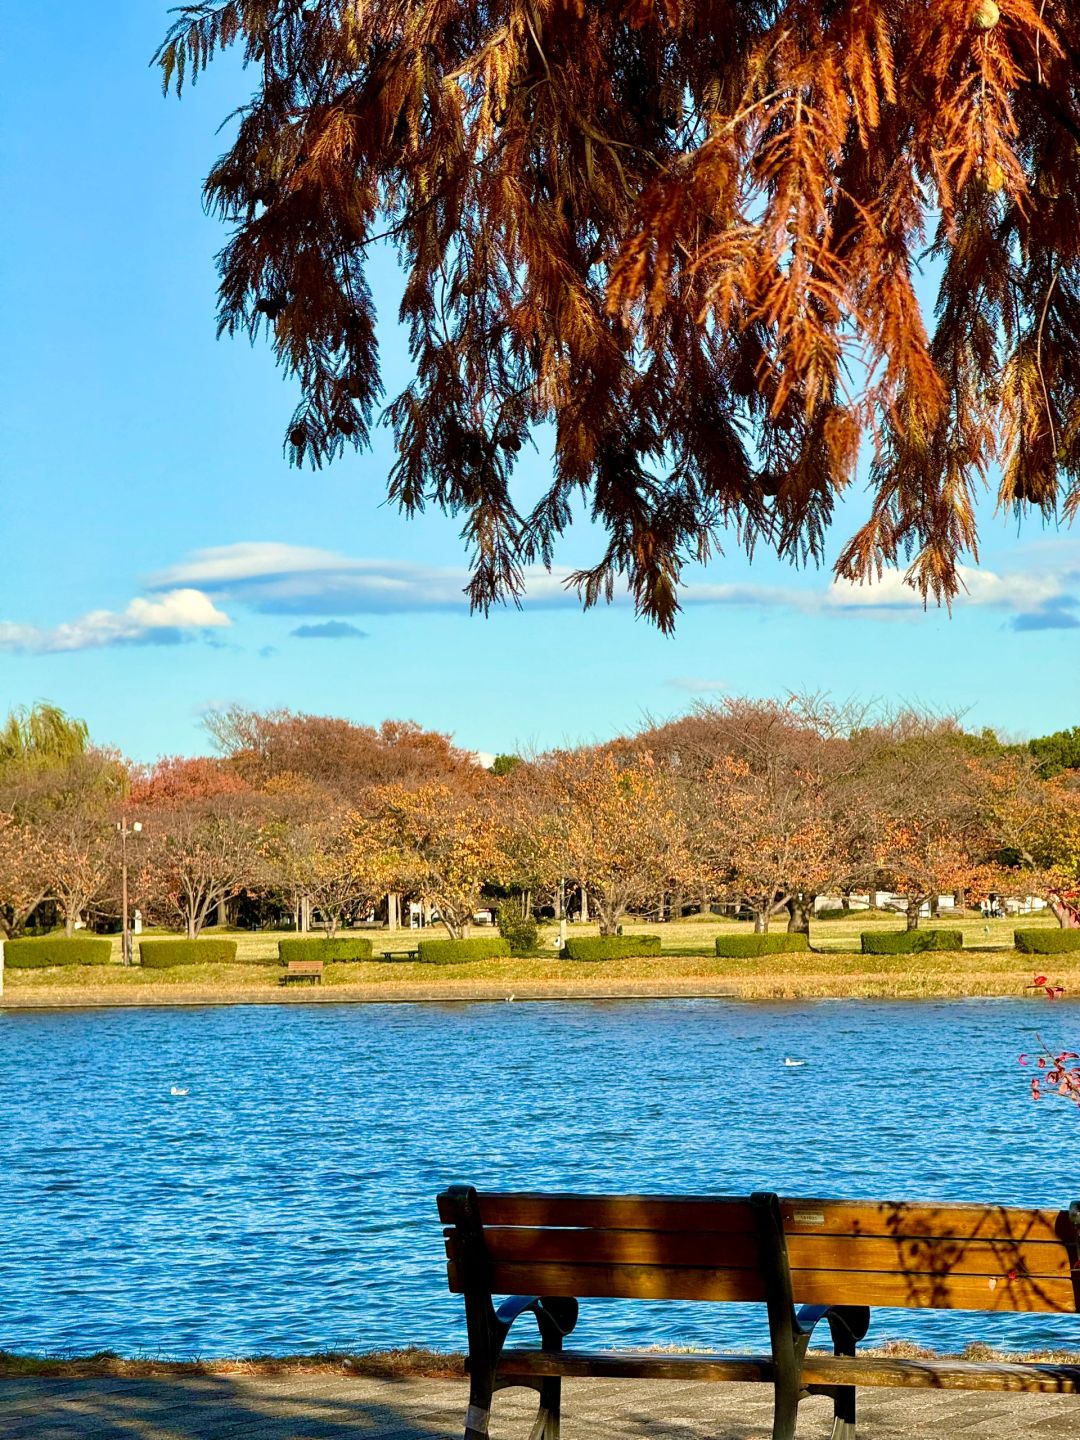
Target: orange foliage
[683,235]
[613,827]
[439,843]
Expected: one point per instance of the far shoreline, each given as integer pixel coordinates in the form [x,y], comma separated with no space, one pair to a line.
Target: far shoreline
[758,990]
[988,967]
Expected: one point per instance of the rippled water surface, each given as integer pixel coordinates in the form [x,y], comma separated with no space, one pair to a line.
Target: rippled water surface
[286,1202]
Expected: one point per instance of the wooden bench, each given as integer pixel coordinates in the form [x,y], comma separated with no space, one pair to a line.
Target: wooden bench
[835,1258]
[307,971]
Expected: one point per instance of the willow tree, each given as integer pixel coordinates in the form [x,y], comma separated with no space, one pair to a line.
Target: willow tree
[679,235]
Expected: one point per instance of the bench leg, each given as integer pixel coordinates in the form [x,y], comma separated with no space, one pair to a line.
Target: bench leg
[785,1413]
[478,1415]
[546,1424]
[843,1413]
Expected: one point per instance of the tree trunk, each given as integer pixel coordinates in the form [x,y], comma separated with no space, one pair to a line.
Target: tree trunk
[560,901]
[608,916]
[913,908]
[305,914]
[935,906]
[192,926]
[872,898]
[798,908]
[761,922]
[70,917]
[584,906]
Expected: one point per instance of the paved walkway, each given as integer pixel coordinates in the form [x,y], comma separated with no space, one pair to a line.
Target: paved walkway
[333,1407]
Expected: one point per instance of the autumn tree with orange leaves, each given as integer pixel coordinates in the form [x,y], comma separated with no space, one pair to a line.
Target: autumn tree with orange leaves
[24,875]
[768,846]
[925,800]
[439,843]
[1036,828]
[309,856]
[612,826]
[201,839]
[679,236]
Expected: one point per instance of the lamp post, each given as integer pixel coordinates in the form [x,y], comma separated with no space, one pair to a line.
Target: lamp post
[125,830]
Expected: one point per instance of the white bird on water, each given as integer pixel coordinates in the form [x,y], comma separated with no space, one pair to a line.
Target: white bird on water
[791,1064]
[176,1090]
[510,999]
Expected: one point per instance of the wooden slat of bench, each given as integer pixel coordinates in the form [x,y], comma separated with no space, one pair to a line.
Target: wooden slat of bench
[869,1370]
[808,1251]
[939,1374]
[728,1215]
[811,1287]
[938,1221]
[631,1282]
[732,1216]
[526,1245]
[636,1365]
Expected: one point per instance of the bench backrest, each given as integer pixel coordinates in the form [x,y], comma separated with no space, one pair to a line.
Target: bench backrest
[955,1257]
[305,967]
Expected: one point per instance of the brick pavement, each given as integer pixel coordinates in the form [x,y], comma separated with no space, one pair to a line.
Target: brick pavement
[336,1407]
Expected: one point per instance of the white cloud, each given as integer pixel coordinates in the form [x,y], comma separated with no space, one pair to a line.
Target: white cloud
[163,620]
[303,580]
[1017,591]
[277,578]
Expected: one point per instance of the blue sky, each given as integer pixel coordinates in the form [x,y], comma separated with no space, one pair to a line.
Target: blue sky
[161,557]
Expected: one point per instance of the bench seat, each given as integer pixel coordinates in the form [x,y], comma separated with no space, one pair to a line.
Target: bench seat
[307,972]
[819,1368]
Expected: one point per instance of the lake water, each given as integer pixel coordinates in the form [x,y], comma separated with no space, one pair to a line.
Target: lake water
[286,1202]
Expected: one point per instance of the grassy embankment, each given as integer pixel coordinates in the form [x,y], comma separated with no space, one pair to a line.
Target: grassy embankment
[833,968]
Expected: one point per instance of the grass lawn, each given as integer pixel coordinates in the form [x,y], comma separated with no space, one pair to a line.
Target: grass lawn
[987,966]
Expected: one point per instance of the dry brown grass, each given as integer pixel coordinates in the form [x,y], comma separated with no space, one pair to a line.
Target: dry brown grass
[413,1362]
[379,1364]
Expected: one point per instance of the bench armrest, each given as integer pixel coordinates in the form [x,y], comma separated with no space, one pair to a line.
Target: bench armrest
[555,1316]
[848,1324]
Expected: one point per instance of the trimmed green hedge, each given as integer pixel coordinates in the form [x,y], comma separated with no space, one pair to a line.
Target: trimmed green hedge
[342,947]
[56,950]
[163,954]
[910,942]
[611,947]
[1047,942]
[458,952]
[744,947]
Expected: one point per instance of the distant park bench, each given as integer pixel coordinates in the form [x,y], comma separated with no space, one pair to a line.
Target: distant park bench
[309,972]
[400,954]
[836,1258]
